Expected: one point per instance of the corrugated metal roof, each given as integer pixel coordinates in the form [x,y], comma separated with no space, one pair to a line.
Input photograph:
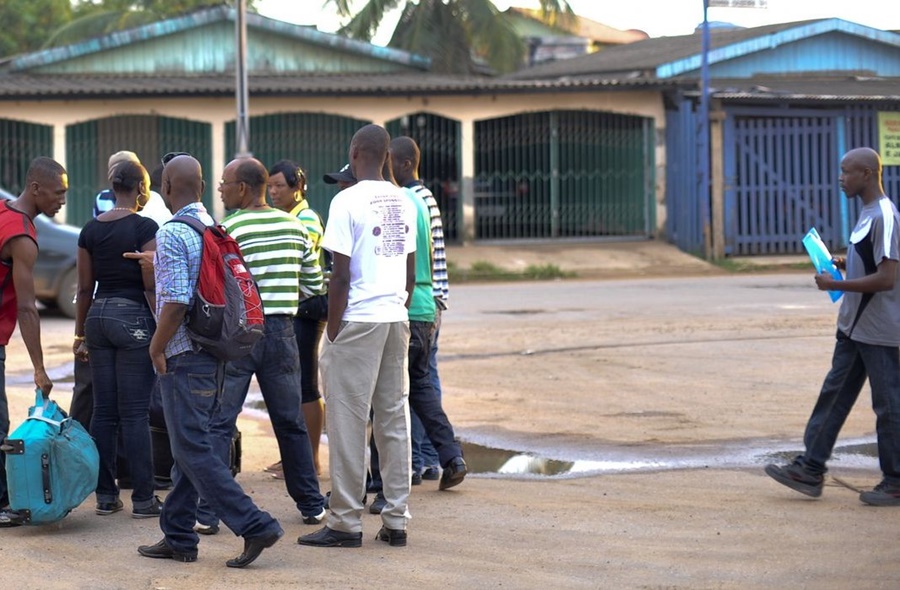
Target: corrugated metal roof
[650,57]
[202,18]
[17,86]
[837,88]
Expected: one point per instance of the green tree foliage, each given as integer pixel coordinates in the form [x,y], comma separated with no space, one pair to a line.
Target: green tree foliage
[456,34]
[26,23]
[30,25]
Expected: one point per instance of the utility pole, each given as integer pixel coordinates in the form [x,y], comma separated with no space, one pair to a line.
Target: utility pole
[242,123]
[713,225]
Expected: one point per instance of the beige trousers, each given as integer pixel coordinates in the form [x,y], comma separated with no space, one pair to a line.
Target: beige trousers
[366,368]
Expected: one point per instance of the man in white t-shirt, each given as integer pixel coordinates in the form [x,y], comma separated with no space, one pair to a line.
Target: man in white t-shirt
[372,233]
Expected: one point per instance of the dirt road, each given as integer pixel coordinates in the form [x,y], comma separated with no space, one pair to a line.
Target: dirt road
[705,375]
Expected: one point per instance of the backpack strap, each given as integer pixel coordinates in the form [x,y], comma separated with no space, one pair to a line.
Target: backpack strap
[193,222]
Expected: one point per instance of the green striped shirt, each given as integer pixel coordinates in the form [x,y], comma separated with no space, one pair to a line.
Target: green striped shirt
[279,254]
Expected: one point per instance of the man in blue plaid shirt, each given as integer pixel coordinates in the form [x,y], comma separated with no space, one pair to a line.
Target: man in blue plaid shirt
[190,381]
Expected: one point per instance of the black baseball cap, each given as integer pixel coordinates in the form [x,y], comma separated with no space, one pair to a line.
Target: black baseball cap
[343,175]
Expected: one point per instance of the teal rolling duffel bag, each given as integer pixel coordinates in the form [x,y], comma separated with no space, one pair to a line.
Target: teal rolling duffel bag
[51,464]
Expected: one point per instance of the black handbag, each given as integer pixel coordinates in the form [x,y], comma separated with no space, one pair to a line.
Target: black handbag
[314,308]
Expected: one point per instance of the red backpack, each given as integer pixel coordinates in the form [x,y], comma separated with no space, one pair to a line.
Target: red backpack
[226,318]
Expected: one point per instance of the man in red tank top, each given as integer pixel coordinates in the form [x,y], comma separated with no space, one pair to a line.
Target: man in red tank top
[45,189]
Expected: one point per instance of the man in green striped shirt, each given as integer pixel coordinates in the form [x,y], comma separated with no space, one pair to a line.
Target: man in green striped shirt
[279,254]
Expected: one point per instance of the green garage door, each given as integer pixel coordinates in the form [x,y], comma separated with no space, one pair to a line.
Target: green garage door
[564,174]
[317,142]
[20,143]
[89,145]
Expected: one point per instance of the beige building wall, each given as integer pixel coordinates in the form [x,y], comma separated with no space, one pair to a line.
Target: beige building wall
[466,109]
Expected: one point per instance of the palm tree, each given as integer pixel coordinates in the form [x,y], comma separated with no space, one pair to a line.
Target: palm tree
[457,35]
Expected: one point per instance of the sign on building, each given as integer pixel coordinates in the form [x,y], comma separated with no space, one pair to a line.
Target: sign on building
[738,3]
[889,138]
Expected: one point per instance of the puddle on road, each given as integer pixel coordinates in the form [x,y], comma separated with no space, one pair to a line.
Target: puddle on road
[490,460]
[493,459]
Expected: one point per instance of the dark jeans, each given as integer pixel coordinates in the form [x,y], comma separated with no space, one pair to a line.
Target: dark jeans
[309,333]
[423,399]
[4,427]
[118,332]
[82,406]
[851,363]
[275,362]
[191,391]
[423,453]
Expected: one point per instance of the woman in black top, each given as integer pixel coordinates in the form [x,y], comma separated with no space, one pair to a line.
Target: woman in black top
[114,332]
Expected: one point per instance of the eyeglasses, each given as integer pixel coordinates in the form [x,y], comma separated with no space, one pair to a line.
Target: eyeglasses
[171,156]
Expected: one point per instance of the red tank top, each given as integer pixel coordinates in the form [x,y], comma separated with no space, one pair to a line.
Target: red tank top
[12,224]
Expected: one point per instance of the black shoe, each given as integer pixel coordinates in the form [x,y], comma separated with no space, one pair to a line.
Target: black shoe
[796,478]
[104,508]
[431,474]
[884,494]
[206,529]
[378,504]
[416,479]
[392,536]
[315,518]
[253,547]
[151,511]
[454,472]
[163,551]
[10,518]
[327,537]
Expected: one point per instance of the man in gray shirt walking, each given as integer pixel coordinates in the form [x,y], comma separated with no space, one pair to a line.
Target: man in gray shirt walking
[868,340]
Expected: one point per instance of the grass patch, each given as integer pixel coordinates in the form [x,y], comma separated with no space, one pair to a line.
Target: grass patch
[482,271]
[737,266]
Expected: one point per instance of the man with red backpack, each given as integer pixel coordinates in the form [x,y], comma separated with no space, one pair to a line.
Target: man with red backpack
[190,379]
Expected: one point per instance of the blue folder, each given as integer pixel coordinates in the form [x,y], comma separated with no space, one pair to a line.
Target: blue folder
[821,259]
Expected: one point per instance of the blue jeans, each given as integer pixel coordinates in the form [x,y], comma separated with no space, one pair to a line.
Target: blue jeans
[852,362]
[4,427]
[423,453]
[276,363]
[191,390]
[118,332]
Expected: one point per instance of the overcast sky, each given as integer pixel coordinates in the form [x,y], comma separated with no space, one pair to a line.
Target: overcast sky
[655,17]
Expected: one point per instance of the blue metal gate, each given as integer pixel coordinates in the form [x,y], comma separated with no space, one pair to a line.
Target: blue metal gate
[781,178]
[684,209]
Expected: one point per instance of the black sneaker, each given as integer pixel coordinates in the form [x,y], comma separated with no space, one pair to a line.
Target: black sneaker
[151,511]
[454,472]
[884,494]
[10,518]
[315,518]
[432,473]
[104,508]
[796,478]
[416,479]
[378,504]
[206,529]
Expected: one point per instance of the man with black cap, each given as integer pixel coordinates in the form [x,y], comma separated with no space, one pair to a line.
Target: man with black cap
[343,177]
